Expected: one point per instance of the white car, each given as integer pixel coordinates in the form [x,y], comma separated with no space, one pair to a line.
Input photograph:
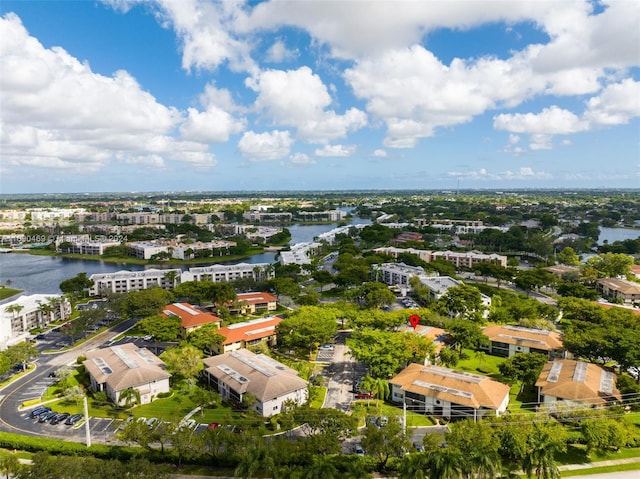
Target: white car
[358,451]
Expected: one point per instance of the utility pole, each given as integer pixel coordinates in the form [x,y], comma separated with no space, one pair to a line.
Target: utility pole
[404,416]
[86,422]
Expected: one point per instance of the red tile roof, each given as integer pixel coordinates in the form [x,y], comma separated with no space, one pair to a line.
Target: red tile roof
[256,298]
[250,330]
[190,315]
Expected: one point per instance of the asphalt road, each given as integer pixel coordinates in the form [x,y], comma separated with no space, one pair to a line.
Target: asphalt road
[32,385]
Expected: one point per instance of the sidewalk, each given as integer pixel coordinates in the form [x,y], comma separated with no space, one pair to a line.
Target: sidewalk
[592,465]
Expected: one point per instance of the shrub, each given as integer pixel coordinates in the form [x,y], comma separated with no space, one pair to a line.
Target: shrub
[164,394]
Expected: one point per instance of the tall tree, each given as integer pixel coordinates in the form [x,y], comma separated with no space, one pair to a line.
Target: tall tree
[462,301]
[162,328]
[547,440]
[385,442]
[611,264]
[185,361]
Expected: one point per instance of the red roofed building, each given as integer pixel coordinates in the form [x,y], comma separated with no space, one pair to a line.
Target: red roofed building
[191,317]
[250,303]
[248,333]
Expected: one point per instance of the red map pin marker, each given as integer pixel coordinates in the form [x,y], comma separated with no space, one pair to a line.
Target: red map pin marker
[414,319]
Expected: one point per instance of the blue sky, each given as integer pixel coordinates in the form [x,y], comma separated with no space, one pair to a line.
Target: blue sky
[167,95]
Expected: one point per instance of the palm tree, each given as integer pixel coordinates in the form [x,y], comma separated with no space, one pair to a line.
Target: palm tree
[414,467]
[321,469]
[130,396]
[171,277]
[547,440]
[44,310]
[9,465]
[255,458]
[380,389]
[445,463]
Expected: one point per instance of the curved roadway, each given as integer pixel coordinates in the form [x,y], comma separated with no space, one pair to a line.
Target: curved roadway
[33,384]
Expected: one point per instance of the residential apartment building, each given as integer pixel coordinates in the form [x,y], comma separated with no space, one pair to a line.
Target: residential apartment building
[127,281]
[397,274]
[566,384]
[461,259]
[330,236]
[248,333]
[423,254]
[144,218]
[619,289]
[330,215]
[146,249]
[242,372]
[507,341]
[251,303]
[191,317]
[226,273]
[21,315]
[448,393]
[117,368]
[94,248]
[299,253]
[258,216]
[468,259]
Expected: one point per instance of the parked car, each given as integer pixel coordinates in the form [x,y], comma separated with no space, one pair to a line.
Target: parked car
[418,447]
[46,416]
[358,451]
[327,347]
[214,425]
[152,422]
[383,421]
[364,396]
[58,418]
[73,419]
[40,410]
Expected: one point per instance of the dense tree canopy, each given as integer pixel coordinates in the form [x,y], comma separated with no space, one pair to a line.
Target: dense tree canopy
[385,352]
[148,302]
[307,327]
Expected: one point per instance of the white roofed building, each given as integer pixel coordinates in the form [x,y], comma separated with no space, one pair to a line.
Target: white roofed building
[18,317]
[126,281]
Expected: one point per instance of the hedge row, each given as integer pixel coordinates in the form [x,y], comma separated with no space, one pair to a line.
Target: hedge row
[10,440]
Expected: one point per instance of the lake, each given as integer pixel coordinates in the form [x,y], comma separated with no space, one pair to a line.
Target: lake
[617,234]
[43,274]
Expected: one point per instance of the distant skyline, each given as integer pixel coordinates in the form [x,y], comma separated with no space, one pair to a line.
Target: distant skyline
[167,95]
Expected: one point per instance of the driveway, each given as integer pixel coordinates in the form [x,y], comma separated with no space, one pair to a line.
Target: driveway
[341,373]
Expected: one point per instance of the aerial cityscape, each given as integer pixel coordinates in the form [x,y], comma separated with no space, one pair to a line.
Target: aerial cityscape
[319,239]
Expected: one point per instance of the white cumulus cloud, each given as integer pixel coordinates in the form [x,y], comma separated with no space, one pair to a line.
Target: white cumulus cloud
[58,113]
[299,99]
[336,151]
[265,146]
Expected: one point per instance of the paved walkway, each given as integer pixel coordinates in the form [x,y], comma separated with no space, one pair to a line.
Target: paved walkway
[591,465]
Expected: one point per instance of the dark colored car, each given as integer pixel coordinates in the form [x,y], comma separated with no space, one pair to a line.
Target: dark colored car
[46,416]
[71,420]
[39,410]
[60,418]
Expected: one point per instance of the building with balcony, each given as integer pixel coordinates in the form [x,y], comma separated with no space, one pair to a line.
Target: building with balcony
[242,372]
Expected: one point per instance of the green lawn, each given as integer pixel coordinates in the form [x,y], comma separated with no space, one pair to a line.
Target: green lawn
[318,401]
[375,407]
[480,363]
[8,292]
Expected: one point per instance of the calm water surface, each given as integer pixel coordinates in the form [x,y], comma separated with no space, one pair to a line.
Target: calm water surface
[617,234]
[43,274]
